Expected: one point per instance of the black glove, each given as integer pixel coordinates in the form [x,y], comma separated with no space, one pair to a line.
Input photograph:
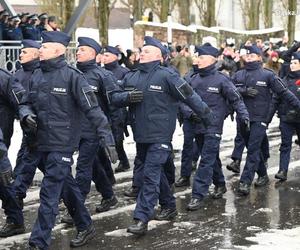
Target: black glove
[195,118]
[31,121]
[111,153]
[6,177]
[251,92]
[247,124]
[135,96]
[292,116]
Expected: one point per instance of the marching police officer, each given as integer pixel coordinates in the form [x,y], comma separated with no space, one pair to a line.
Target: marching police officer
[51,108]
[152,93]
[256,86]
[30,30]
[111,63]
[43,22]
[289,117]
[216,89]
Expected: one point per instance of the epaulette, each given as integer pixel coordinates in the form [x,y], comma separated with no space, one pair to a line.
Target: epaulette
[6,72]
[75,69]
[225,75]
[270,70]
[166,69]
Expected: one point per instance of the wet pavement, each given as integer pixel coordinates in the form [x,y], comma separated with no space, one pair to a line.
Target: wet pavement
[226,223]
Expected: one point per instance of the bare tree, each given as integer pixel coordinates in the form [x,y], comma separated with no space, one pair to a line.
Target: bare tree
[250,10]
[292,9]
[206,12]
[184,11]
[268,12]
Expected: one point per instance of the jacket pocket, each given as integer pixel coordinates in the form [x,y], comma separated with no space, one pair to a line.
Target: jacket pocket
[59,132]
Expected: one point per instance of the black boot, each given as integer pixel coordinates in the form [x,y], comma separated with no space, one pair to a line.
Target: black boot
[234,166]
[183,181]
[166,214]
[244,188]
[10,229]
[132,192]
[138,228]
[106,204]
[281,175]
[195,204]
[122,167]
[262,181]
[219,191]
[83,237]
[66,218]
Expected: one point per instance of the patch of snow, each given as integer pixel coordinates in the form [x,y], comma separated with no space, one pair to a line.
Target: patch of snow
[254,228]
[184,224]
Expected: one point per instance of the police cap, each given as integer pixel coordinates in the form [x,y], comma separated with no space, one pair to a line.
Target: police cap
[154,42]
[87,41]
[27,43]
[56,37]
[112,50]
[207,49]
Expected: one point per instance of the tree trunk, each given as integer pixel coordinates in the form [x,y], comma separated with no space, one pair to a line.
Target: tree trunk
[268,19]
[211,8]
[137,10]
[103,12]
[292,20]
[164,11]
[184,11]
[254,15]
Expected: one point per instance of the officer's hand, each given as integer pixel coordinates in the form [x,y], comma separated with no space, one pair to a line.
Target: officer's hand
[252,92]
[6,177]
[111,153]
[247,124]
[135,96]
[195,118]
[31,121]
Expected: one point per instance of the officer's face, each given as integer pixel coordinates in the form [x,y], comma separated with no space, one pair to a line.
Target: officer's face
[28,54]
[51,50]
[295,65]
[109,57]
[85,53]
[252,57]
[205,61]
[149,54]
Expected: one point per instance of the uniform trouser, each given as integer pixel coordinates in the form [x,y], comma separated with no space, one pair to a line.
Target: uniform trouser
[11,208]
[57,182]
[88,149]
[121,152]
[189,150]
[154,157]
[19,165]
[138,170]
[29,163]
[100,177]
[239,145]
[210,167]
[254,140]
[287,130]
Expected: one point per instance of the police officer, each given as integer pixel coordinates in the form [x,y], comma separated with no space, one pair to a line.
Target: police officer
[256,86]
[289,117]
[87,162]
[30,30]
[152,92]
[52,109]
[111,63]
[13,31]
[24,20]
[216,89]
[43,22]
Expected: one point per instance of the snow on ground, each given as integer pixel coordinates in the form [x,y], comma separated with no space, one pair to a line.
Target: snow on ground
[276,239]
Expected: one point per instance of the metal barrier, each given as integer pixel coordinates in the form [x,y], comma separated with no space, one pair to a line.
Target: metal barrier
[10,52]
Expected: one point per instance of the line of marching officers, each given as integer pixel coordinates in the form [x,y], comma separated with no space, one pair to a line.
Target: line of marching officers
[63,109]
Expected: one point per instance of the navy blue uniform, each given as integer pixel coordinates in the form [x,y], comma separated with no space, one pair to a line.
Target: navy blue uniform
[289,118]
[31,32]
[265,82]
[56,104]
[216,89]
[88,164]
[153,123]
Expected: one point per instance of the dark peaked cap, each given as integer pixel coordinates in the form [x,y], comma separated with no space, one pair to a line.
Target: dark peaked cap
[56,37]
[27,43]
[86,41]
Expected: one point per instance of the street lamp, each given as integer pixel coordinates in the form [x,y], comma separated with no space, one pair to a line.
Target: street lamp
[169,31]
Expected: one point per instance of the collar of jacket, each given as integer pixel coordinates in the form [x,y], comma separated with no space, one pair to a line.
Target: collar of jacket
[111,66]
[53,64]
[294,74]
[88,65]
[209,70]
[32,65]
[147,67]
[253,65]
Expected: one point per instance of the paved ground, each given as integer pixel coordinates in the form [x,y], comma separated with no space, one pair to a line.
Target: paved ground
[259,221]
